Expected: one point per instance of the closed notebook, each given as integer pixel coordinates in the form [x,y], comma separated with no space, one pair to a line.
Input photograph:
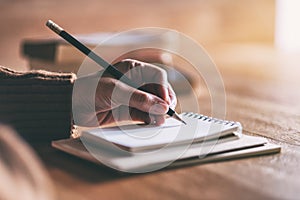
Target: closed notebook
[234,148]
[137,138]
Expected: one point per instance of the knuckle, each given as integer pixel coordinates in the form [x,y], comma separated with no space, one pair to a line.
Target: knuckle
[141,98]
[125,65]
[162,73]
[107,83]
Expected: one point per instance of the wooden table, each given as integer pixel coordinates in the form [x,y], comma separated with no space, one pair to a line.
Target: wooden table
[262,99]
[262,89]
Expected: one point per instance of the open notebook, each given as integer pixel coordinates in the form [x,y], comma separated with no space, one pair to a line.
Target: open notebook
[138,148]
[139,138]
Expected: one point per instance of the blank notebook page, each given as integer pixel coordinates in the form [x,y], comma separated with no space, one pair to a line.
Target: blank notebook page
[172,132]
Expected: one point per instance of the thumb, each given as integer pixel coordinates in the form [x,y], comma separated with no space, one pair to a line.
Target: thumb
[126,113]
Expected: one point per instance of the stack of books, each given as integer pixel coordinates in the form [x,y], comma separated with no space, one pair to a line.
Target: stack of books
[143,148]
[55,54]
[36,103]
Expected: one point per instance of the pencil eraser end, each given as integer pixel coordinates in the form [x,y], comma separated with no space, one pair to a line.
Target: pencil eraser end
[54,27]
[49,22]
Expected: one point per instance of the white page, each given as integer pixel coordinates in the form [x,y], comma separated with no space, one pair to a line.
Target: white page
[137,137]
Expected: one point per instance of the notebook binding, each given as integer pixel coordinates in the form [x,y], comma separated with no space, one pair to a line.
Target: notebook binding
[210,119]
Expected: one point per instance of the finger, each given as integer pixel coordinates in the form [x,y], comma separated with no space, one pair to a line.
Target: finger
[155,80]
[143,73]
[158,119]
[151,78]
[137,115]
[172,97]
[143,101]
[133,114]
[163,92]
[158,90]
[148,103]
[124,113]
[167,94]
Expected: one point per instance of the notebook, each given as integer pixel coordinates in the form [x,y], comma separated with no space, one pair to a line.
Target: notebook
[136,148]
[137,138]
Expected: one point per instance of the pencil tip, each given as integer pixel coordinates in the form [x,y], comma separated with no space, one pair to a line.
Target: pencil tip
[175,115]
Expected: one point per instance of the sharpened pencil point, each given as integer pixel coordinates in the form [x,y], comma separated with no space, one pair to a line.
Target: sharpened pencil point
[175,115]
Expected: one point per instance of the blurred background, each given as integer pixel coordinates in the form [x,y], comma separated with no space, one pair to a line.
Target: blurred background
[213,23]
[255,38]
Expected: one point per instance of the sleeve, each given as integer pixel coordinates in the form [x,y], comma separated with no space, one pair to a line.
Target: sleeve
[37,104]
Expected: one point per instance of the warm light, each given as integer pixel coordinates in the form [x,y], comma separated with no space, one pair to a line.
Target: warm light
[287,35]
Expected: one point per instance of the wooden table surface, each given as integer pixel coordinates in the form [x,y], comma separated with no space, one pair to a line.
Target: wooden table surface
[264,99]
[262,92]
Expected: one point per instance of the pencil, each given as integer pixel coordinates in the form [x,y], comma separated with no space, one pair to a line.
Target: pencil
[100,61]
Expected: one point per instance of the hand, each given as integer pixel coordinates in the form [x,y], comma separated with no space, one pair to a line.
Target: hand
[111,100]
